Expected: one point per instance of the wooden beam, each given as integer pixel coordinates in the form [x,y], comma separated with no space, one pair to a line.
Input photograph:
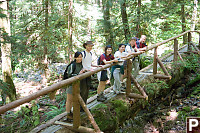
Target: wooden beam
[80,129]
[139,87]
[128,80]
[155,61]
[175,50]
[162,66]
[48,123]
[195,47]
[76,104]
[180,56]
[135,95]
[94,124]
[161,76]
[189,41]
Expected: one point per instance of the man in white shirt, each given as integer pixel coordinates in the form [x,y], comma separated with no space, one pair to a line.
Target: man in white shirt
[87,66]
[131,49]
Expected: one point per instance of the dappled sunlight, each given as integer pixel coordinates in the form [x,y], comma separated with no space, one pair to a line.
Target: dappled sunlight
[172,115]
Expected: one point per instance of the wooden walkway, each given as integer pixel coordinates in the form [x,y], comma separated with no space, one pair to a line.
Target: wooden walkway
[144,73]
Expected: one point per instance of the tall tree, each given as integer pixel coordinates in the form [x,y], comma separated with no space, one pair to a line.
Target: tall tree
[183,22]
[70,20]
[107,24]
[6,52]
[138,18]
[46,41]
[194,15]
[125,19]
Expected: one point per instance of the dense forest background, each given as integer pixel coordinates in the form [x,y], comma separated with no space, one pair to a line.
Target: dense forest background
[48,31]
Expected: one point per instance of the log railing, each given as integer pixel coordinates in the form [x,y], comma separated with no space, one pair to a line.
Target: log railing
[75,81]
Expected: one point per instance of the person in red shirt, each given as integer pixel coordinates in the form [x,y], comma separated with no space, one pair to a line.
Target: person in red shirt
[140,44]
[105,58]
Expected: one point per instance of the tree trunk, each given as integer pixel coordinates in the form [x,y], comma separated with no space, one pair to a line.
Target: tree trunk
[183,23]
[6,54]
[194,15]
[138,19]
[45,41]
[70,20]
[125,20]
[107,25]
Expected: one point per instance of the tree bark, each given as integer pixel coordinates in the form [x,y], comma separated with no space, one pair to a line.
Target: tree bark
[107,25]
[10,91]
[70,20]
[183,23]
[194,15]
[45,41]
[125,20]
[138,19]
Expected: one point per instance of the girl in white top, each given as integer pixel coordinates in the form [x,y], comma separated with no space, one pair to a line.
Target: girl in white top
[118,70]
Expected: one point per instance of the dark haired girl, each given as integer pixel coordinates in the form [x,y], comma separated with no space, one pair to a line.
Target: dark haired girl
[105,58]
[73,69]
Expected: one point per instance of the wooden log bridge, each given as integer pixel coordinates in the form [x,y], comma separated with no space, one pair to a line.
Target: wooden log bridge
[77,99]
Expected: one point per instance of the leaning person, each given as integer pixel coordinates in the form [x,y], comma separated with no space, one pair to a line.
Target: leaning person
[103,76]
[87,65]
[73,69]
[117,71]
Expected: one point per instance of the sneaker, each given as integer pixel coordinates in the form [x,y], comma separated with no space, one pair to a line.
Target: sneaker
[100,98]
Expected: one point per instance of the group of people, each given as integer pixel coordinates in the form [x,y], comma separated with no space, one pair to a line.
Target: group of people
[83,63]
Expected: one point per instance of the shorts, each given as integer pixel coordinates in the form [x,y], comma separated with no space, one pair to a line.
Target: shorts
[102,76]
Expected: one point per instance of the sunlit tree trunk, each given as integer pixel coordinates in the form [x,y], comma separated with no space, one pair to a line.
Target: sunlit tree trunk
[70,20]
[183,22]
[107,25]
[45,41]
[194,15]
[6,53]
[125,19]
[138,19]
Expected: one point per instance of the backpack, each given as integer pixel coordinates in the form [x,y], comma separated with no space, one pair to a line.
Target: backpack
[85,53]
[99,59]
[67,75]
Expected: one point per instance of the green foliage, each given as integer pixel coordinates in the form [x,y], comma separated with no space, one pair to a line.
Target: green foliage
[145,61]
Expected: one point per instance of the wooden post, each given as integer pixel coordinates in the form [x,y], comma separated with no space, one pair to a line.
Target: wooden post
[128,80]
[94,124]
[189,40]
[76,104]
[180,56]
[80,129]
[162,66]
[175,49]
[155,61]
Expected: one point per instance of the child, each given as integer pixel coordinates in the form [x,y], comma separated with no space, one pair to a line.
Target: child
[105,58]
[73,69]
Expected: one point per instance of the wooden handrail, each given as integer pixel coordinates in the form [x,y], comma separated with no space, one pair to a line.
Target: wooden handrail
[63,83]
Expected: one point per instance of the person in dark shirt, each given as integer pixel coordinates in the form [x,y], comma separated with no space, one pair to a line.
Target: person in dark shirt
[103,76]
[74,68]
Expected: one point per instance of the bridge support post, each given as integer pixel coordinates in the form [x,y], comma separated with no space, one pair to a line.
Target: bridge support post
[175,49]
[155,61]
[76,105]
[128,80]
[189,41]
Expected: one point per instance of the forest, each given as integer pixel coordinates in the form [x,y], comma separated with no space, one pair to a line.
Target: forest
[39,38]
